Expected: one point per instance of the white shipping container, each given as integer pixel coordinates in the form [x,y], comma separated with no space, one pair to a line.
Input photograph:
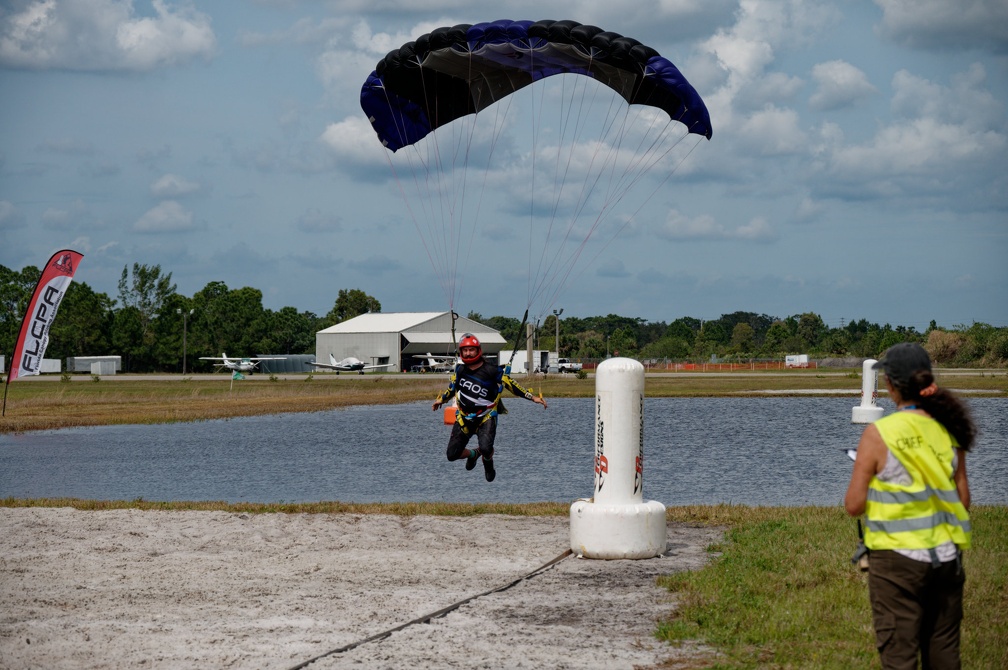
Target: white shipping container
[796,361]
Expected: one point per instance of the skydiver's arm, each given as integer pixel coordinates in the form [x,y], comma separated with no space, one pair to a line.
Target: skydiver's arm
[446,394]
[519,390]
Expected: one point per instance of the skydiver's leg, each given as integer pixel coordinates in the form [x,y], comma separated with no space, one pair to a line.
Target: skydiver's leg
[486,435]
[457,444]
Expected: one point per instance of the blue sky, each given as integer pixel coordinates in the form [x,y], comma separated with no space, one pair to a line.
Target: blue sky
[857,167]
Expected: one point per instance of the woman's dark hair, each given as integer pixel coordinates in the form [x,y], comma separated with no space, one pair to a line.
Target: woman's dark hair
[942,405]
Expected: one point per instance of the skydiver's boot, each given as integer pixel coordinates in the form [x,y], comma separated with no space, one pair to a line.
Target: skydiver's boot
[474,455]
[488,469]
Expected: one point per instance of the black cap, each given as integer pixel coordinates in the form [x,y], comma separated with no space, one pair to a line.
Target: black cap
[902,360]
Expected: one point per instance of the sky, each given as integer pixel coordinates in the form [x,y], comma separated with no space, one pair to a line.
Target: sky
[857,167]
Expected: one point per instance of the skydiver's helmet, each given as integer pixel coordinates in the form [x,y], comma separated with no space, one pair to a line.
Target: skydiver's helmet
[469,340]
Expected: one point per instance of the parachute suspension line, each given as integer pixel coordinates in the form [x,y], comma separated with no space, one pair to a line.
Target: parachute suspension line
[548,267]
[632,217]
[555,278]
[497,128]
[424,239]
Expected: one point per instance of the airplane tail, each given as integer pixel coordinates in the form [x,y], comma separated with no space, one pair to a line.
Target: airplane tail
[332,359]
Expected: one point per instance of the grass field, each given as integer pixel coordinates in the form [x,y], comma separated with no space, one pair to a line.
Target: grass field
[36,404]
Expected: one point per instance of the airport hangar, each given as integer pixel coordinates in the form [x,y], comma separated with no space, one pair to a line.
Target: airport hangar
[402,339]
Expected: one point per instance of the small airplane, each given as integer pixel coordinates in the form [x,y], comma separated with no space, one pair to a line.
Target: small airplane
[441,363]
[349,364]
[240,364]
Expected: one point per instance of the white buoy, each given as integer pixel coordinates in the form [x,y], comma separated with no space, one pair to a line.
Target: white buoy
[617,522]
[868,411]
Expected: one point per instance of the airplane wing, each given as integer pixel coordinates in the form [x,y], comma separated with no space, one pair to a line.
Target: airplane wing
[383,365]
[241,358]
[327,366]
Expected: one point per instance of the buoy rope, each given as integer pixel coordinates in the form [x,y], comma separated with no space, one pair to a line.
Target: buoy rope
[434,615]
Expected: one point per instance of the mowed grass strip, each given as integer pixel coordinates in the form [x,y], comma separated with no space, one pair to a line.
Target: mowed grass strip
[781,592]
[124,399]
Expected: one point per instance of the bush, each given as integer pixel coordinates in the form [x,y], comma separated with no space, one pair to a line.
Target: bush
[943,346]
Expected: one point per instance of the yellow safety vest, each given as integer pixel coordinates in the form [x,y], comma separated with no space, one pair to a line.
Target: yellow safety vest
[927,512]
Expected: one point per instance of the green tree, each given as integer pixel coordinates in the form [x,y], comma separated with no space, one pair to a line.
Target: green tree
[774,341]
[83,325]
[143,295]
[15,292]
[811,329]
[743,337]
[622,343]
[350,303]
[226,320]
[667,348]
[684,328]
[290,332]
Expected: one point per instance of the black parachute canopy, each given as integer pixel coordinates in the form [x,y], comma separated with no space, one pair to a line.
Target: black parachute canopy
[459,70]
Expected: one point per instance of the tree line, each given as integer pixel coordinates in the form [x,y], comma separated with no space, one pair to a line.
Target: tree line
[149,324]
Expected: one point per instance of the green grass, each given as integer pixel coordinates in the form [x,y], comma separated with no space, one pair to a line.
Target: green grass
[781,592]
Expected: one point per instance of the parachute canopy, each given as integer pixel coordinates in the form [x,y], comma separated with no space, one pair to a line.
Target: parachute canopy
[455,71]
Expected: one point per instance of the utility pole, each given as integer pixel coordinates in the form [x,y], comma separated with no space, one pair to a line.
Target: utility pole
[185,328]
[529,367]
[556,317]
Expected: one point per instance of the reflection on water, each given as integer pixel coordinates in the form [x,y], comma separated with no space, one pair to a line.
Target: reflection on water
[754,451]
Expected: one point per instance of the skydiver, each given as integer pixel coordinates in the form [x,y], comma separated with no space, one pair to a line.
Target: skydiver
[478,386]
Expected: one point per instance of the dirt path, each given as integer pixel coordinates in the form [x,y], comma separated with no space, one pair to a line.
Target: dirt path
[128,589]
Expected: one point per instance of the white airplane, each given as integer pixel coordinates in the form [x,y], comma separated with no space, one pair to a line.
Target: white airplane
[240,364]
[349,364]
[442,363]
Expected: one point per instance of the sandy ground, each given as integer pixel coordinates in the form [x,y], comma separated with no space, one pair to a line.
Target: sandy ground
[133,589]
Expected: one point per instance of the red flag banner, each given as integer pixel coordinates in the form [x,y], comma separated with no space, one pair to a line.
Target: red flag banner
[34,336]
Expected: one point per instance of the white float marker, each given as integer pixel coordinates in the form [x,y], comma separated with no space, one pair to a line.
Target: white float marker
[868,410]
[617,522]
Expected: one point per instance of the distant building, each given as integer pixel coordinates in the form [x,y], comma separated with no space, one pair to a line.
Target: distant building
[83,364]
[402,339]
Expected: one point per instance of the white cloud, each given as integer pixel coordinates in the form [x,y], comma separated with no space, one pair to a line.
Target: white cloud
[173,186]
[773,131]
[962,24]
[374,265]
[943,134]
[315,221]
[353,141]
[808,209]
[68,147]
[73,217]
[966,101]
[612,268]
[167,217]
[10,217]
[919,147]
[840,85]
[705,227]
[103,35]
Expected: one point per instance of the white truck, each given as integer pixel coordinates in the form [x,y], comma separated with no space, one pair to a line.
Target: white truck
[567,365]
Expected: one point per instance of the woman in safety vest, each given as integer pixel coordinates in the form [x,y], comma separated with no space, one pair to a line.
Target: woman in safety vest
[909,480]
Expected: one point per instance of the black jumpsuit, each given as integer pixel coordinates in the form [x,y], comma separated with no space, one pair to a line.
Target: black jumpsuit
[479,394]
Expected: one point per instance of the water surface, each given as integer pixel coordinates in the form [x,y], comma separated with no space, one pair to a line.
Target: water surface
[754,451]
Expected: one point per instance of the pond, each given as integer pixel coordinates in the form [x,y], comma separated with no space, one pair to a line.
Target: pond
[753,451]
